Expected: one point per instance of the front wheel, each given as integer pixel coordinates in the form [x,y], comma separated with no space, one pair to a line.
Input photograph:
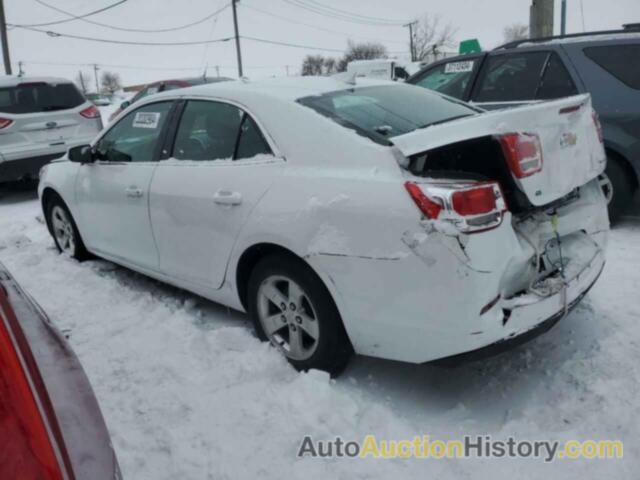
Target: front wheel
[64,230]
[292,308]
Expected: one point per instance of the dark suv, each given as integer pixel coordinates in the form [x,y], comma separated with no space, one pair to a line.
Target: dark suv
[604,64]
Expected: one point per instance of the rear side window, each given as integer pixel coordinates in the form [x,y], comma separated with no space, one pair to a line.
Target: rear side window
[208,131]
[556,81]
[621,61]
[511,77]
[451,78]
[251,142]
[39,97]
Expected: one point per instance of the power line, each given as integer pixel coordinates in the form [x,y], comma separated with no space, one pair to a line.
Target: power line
[345,12]
[137,67]
[123,42]
[103,9]
[328,30]
[136,30]
[339,16]
[296,45]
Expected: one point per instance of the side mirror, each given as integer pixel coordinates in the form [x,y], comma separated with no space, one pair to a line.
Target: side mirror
[81,154]
[124,105]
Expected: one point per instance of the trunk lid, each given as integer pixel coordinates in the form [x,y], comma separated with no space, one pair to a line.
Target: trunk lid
[572,152]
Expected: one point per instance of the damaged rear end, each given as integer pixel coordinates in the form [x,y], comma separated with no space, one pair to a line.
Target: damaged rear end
[514,196]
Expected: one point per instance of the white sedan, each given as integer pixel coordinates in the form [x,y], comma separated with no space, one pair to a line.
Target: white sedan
[376,218]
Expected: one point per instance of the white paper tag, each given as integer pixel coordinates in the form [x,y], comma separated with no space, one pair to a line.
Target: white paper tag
[146,120]
[459,67]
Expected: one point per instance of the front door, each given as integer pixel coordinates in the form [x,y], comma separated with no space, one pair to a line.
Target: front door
[113,192]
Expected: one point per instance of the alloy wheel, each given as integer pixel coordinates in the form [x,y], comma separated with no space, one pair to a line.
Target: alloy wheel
[288,317]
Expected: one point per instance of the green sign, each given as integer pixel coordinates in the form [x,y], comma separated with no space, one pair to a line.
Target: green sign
[470,46]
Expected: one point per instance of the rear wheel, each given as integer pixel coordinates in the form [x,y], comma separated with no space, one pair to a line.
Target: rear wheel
[621,189]
[292,309]
[64,230]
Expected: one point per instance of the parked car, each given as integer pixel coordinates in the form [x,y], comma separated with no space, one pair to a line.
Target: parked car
[52,427]
[604,64]
[163,86]
[40,119]
[99,100]
[378,217]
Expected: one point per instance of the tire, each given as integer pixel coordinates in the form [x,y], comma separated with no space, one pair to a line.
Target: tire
[64,230]
[622,186]
[289,305]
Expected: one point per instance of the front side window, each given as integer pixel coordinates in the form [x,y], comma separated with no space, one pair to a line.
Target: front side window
[621,61]
[383,112]
[135,138]
[452,78]
[39,97]
[511,78]
[217,131]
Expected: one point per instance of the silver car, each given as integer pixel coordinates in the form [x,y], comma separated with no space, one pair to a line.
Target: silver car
[40,119]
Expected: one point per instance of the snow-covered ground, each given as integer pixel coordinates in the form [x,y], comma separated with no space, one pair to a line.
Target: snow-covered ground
[188,392]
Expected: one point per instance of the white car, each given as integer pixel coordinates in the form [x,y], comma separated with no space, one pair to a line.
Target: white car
[375,217]
[40,119]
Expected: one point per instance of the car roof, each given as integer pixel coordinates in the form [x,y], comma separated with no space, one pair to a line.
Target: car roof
[283,88]
[13,81]
[586,37]
[191,81]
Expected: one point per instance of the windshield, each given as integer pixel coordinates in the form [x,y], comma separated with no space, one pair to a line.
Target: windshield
[39,97]
[383,112]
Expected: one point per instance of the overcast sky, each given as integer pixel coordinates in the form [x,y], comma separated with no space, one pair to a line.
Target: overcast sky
[482,19]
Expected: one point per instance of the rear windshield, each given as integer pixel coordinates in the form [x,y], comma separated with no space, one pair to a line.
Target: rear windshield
[39,97]
[383,112]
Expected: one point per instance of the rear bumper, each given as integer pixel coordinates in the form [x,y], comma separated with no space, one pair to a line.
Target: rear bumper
[25,168]
[506,344]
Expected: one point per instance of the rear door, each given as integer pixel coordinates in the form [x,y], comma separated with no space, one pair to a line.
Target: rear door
[113,193]
[44,115]
[514,78]
[220,166]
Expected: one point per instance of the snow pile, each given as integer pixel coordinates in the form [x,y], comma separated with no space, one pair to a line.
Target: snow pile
[188,392]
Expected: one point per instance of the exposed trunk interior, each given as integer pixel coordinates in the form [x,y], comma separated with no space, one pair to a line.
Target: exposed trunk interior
[478,158]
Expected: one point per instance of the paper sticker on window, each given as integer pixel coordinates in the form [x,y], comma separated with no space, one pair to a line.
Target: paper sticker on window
[146,120]
[459,67]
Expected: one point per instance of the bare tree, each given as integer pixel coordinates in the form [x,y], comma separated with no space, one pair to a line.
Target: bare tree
[361,51]
[110,82]
[330,65]
[515,31]
[313,65]
[83,80]
[430,36]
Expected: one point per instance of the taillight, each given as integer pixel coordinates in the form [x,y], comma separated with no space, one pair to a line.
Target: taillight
[430,208]
[470,206]
[27,449]
[596,120]
[90,112]
[5,122]
[523,152]
[475,201]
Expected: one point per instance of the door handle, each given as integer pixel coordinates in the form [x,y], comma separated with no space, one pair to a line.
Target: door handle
[134,192]
[225,197]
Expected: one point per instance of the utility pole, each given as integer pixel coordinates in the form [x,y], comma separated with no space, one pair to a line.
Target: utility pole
[20,69]
[541,18]
[413,51]
[5,41]
[95,73]
[563,18]
[217,70]
[235,26]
